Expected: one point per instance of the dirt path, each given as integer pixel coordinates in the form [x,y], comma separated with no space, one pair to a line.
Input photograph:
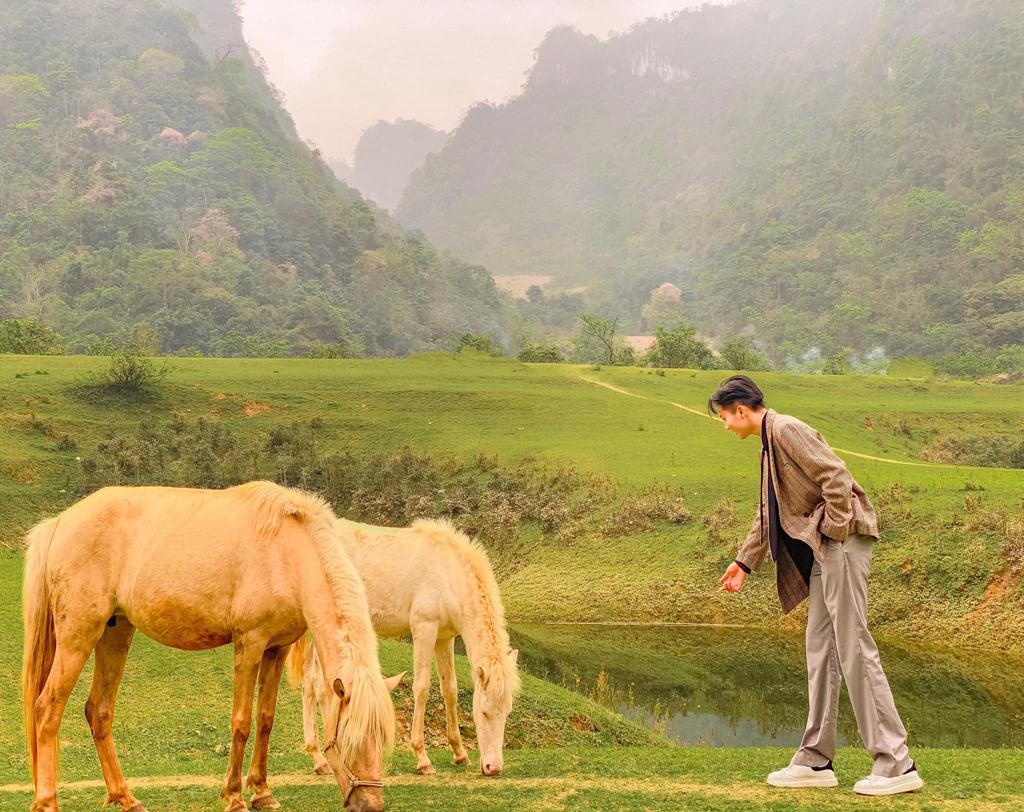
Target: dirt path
[699,413]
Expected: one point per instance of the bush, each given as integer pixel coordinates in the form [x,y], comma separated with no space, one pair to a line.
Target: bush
[721,520]
[971,364]
[741,355]
[837,364]
[541,354]
[328,351]
[637,513]
[29,337]
[991,452]
[680,348]
[390,488]
[480,343]
[129,375]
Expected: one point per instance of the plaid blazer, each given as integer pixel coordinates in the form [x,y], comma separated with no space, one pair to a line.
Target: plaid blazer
[817,498]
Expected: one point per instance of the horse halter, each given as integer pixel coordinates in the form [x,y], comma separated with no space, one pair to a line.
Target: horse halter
[355,782]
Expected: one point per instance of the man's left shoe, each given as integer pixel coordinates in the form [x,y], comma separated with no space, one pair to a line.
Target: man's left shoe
[910,781]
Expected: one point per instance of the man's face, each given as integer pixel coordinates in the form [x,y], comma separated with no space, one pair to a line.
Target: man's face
[738,419]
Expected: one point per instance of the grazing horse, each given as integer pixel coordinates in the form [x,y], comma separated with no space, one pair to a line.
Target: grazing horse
[434,582]
[255,566]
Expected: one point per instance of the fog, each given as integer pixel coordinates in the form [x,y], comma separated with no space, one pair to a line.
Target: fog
[343,66]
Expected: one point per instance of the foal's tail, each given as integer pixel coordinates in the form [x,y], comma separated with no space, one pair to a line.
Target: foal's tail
[40,639]
[296,663]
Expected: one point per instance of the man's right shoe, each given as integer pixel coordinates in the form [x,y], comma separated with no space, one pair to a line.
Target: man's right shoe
[796,775]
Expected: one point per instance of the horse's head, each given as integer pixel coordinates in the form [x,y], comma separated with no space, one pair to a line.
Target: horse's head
[359,727]
[495,683]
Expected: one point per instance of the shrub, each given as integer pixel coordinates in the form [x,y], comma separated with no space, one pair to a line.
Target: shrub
[29,337]
[638,512]
[740,354]
[680,348]
[541,354]
[720,520]
[480,343]
[129,375]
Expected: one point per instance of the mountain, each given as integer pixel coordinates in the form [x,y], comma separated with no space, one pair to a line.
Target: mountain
[387,154]
[817,173]
[152,188]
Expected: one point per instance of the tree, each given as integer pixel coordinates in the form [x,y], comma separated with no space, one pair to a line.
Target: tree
[680,348]
[29,337]
[597,336]
[740,354]
[480,343]
[665,308]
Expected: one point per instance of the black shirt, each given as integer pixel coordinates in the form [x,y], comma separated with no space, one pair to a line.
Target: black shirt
[802,555]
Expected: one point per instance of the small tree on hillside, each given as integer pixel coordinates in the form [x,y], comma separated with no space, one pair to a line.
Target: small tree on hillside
[29,337]
[680,348]
[597,336]
[740,354]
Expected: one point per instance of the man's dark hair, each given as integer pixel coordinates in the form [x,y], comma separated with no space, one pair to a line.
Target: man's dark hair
[737,389]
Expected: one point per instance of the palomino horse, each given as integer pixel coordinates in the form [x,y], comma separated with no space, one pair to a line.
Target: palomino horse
[435,582]
[254,565]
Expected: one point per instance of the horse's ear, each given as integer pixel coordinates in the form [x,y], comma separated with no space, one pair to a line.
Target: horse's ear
[481,677]
[393,682]
[514,655]
[339,689]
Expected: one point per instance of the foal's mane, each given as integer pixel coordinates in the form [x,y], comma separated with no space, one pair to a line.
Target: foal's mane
[492,633]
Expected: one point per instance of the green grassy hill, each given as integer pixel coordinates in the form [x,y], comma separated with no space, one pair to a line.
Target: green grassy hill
[948,568]
[946,571]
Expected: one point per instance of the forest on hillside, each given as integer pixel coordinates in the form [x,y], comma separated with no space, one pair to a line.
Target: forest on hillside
[818,175]
[154,191]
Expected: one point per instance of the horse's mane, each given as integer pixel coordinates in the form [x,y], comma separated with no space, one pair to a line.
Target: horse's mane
[370,710]
[480,577]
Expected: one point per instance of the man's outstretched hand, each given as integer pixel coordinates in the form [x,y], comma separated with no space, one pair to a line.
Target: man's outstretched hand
[733,579]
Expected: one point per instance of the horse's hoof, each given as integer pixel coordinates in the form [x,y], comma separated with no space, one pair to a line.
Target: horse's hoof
[265,802]
[236,805]
[425,769]
[322,769]
[462,759]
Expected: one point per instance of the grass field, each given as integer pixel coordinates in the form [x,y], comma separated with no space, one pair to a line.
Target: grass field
[946,571]
[607,780]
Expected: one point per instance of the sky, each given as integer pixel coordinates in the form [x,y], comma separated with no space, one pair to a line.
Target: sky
[345,64]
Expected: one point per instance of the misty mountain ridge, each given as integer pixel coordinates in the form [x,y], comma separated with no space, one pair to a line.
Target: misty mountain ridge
[816,174]
[153,189]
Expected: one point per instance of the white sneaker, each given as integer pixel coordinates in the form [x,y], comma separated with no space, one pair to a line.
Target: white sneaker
[796,775]
[910,781]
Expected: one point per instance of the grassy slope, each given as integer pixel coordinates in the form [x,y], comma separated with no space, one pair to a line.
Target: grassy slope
[463,406]
[930,574]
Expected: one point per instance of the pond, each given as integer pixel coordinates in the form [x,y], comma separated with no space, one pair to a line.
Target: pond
[738,687]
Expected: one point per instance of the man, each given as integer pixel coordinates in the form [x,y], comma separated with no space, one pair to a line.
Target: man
[819,527]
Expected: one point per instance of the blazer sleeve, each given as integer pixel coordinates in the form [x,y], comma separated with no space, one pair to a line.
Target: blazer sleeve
[754,548]
[808,449]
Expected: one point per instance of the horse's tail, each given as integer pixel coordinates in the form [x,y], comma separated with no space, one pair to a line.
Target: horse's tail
[296,663]
[40,638]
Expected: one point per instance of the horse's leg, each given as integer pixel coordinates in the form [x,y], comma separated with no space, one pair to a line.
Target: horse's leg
[423,638]
[111,656]
[266,704]
[248,655]
[68,660]
[444,653]
[309,706]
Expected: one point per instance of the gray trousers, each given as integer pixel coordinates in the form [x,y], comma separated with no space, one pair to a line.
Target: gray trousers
[838,640]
